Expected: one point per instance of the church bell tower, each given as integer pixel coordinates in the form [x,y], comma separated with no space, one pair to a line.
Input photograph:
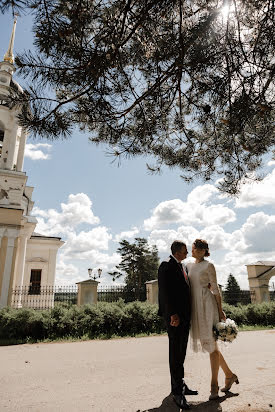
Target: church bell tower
[16,224]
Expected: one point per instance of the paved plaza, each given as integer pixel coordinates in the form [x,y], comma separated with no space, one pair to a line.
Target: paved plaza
[131,375]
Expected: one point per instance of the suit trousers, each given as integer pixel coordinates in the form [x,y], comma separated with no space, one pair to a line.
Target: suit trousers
[178,338]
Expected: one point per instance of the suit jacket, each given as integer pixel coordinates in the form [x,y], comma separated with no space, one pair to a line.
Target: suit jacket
[174,292]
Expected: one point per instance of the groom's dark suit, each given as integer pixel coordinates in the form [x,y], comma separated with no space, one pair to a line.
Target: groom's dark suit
[174,298]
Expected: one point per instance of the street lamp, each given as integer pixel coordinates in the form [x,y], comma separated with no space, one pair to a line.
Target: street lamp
[90,270]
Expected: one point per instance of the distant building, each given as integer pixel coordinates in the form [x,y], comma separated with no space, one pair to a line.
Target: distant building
[259,275]
[27,259]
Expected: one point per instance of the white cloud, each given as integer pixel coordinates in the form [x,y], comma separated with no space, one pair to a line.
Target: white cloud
[258,193]
[236,241]
[252,242]
[76,211]
[66,273]
[235,262]
[195,210]
[230,251]
[82,249]
[259,233]
[215,235]
[239,271]
[130,234]
[201,194]
[217,215]
[33,152]
[218,240]
[170,211]
[82,245]
[256,235]
[199,217]
[271,163]
[163,239]
[70,272]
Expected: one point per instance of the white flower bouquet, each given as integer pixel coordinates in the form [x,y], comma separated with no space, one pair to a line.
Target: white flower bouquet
[226,331]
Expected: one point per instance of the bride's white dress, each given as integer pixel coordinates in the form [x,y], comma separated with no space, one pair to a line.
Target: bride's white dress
[205,312]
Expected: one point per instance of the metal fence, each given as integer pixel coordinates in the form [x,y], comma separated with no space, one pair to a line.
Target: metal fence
[244,297]
[43,297]
[114,293]
[46,297]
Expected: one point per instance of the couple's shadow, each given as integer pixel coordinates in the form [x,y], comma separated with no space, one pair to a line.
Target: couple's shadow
[168,405]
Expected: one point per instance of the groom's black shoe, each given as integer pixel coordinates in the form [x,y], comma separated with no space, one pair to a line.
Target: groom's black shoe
[188,391]
[181,402]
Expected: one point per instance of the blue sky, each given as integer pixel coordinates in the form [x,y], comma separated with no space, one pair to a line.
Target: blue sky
[91,203]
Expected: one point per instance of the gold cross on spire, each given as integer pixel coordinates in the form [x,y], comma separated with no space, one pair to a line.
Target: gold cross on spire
[9,54]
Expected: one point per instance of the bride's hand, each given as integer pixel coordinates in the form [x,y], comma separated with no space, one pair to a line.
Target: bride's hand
[222,316]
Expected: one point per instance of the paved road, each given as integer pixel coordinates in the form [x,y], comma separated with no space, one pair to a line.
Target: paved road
[131,375]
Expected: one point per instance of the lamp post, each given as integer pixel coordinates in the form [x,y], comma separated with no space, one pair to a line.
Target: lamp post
[94,277]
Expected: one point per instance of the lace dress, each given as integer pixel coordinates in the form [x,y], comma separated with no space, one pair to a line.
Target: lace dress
[205,312]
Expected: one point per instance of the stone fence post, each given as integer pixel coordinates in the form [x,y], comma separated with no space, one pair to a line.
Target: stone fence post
[152,291]
[87,292]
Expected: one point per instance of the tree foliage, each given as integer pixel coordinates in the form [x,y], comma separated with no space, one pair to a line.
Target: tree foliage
[139,263]
[232,291]
[189,82]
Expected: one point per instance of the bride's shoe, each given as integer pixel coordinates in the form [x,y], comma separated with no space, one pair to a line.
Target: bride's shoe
[214,392]
[229,382]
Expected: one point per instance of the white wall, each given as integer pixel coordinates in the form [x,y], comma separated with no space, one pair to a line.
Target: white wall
[41,254]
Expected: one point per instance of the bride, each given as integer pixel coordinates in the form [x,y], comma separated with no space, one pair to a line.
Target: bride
[206,312]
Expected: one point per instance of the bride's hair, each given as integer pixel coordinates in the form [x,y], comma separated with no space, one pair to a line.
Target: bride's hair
[202,244]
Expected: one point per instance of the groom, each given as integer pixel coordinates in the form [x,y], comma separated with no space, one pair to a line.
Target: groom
[175,308]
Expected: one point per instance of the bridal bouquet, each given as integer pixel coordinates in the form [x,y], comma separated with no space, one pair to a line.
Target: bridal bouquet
[226,331]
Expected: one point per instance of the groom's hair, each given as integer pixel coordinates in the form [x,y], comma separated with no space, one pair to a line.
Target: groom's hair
[176,246]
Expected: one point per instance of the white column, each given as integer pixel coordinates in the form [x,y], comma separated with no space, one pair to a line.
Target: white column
[21,260]
[2,231]
[12,148]
[20,266]
[50,278]
[7,270]
[21,151]
[5,149]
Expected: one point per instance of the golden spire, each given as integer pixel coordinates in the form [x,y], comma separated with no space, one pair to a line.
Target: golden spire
[9,55]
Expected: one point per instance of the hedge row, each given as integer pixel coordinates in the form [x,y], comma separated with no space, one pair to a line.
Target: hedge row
[103,319]
[252,314]
[107,319]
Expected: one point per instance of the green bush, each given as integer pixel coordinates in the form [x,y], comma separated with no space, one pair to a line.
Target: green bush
[252,314]
[261,314]
[106,320]
[23,324]
[237,313]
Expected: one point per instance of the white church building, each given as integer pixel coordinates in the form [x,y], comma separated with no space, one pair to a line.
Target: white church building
[27,259]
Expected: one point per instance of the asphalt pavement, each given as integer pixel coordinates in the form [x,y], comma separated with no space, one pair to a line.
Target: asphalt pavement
[131,375]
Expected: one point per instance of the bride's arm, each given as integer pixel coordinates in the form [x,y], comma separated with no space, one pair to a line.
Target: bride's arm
[222,315]
[215,289]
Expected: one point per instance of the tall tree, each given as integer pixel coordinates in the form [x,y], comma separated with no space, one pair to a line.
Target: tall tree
[189,82]
[232,291]
[139,263]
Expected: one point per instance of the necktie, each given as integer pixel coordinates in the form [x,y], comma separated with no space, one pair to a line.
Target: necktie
[184,274]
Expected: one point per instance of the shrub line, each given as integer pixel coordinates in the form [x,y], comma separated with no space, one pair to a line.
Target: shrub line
[108,320]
